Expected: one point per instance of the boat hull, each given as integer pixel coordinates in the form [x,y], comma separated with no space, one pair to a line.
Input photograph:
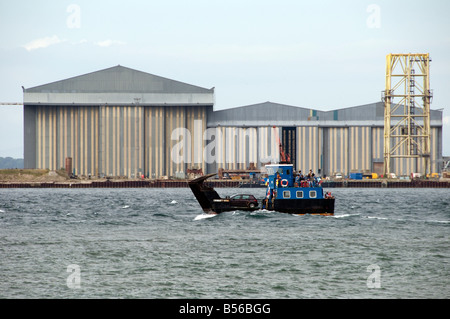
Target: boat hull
[315,206]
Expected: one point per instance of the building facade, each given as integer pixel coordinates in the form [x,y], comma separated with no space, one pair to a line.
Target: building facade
[124,122]
[328,142]
[114,122]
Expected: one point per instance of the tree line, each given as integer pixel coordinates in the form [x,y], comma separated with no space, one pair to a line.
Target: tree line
[9,162]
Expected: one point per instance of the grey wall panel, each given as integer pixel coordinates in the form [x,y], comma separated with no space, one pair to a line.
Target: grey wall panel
[29,126]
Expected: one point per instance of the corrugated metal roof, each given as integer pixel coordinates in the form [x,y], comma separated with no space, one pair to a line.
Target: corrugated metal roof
[118,79]
[118,85]
[274,114]
[261,114]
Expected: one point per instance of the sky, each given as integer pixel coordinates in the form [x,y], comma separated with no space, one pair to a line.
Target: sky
[324,55]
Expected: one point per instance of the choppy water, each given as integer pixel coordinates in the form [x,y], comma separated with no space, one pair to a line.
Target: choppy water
[145,243]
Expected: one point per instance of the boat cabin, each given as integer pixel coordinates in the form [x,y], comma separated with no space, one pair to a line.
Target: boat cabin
[286,173]
[282,184]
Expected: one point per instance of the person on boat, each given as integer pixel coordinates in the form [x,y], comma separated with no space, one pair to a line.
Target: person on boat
[264,203]
[277,180]
[297,180]
[313,180]
[302,180]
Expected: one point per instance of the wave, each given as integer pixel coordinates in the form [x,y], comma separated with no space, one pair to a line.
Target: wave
[345,215]
[410,220]
[438,221]
[204,216]
[377,217]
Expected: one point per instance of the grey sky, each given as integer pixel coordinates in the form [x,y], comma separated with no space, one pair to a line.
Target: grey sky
[317,54]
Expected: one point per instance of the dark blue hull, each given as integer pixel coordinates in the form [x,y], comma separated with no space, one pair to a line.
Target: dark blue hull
[317,206]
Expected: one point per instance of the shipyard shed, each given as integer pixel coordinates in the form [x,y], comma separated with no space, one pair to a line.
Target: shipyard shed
[124,122]
[339,141]
[113,122]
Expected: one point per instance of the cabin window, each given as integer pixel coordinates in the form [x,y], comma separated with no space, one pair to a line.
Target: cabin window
[286,194]
[312,194]
[299,194]
[288,172]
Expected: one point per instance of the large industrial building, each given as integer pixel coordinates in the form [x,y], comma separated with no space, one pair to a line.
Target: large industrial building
[123,122]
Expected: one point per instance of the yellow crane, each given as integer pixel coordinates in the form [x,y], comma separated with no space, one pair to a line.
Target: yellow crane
[407,100]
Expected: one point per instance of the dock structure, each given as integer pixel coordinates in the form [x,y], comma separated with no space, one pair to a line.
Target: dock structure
[222,184]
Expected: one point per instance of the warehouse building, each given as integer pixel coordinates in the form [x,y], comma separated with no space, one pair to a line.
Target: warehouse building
[113,122]
[328,142]
[124,122]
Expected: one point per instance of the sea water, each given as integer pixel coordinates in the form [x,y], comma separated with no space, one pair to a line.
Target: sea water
[154,243]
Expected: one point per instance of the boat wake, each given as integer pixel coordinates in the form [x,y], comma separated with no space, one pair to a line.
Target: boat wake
[380,218]
[345,215]
[409,220]
[257,213]
[204,216]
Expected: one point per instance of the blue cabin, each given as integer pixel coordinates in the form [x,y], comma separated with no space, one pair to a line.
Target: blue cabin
[282,184]
[286,194]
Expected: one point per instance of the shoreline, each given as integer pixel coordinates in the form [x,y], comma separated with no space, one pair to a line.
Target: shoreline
[34,178]
[217,184]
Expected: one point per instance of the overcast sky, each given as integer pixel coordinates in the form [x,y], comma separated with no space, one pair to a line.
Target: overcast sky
[324,55]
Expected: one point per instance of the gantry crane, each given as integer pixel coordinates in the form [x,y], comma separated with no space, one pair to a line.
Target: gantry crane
[407,100]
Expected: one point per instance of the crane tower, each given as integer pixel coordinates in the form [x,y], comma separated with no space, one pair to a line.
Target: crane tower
[407,101]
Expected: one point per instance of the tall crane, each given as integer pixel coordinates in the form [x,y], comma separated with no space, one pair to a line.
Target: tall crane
[407,120]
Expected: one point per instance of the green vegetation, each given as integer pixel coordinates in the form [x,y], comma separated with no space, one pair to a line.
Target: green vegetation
[33,172]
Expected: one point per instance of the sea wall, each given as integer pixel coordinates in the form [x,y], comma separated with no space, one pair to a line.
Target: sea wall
[222,184]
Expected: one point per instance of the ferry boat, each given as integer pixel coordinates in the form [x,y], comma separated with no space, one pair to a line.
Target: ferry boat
[284,194]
